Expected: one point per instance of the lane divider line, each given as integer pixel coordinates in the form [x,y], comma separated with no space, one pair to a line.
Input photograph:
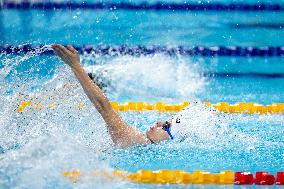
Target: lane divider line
[226,177]
[159,6]
[139,50]
[163,107]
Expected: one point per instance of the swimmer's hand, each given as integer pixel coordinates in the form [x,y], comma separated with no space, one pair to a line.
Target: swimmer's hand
[69,55]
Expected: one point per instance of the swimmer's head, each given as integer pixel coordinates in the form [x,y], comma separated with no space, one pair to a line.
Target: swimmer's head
[158,132]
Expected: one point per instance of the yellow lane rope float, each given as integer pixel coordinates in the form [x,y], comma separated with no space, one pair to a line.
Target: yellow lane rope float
[227,177]
[225,107]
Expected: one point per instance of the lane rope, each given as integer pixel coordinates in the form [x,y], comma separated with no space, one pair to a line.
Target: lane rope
[116,50]
[227,177]
[159,6]
[162,107]
[104,84]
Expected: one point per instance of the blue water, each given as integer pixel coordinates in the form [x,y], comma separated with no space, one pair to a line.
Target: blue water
[144,28]
[37,146]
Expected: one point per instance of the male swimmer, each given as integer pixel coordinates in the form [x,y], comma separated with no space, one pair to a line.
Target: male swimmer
[121,133]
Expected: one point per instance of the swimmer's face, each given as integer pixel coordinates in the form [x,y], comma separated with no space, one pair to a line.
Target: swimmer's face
[156,132]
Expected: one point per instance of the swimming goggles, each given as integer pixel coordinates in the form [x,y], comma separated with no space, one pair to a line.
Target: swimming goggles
[166,127]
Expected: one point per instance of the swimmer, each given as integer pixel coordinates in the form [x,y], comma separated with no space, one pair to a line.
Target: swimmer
[121,133]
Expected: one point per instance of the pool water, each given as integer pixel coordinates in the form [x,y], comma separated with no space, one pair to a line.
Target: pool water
[37,146]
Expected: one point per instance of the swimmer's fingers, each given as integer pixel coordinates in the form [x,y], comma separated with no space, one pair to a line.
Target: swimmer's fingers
[72,49]
[63,50]
[58,50]
[60,53]
[70,57]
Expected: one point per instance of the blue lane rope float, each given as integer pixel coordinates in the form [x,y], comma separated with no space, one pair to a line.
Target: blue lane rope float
[268,51]
[159,6]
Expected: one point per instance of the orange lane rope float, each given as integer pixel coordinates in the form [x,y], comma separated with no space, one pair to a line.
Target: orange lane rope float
[225,107]
[182,177]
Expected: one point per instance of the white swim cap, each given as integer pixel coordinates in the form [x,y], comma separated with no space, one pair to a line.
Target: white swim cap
[192,121]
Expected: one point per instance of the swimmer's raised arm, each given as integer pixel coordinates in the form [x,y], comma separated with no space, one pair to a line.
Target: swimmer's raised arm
[122,134]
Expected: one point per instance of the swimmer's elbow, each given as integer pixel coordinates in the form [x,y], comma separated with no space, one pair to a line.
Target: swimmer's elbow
[103,106]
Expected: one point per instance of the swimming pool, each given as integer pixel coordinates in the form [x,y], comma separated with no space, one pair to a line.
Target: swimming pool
[37,146]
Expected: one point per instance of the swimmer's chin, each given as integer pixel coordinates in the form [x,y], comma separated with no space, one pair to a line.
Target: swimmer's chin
[155,136]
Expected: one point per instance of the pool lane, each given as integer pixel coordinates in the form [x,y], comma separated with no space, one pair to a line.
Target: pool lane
[118,27]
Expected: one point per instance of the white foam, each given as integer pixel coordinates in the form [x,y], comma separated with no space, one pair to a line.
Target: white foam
[155,76]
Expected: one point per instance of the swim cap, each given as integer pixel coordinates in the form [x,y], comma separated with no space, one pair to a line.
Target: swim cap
[195,121]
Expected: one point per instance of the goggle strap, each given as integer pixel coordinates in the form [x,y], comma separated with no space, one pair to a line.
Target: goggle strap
[169,133]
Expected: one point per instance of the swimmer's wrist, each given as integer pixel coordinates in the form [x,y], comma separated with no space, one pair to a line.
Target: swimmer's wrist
[76,66]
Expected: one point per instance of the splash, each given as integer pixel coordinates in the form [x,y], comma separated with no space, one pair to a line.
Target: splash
[9,62]
[42,143]
[151,77]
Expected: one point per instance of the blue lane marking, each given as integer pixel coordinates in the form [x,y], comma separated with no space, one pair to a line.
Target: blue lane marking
[102,82]
[268,51]
[276,26]
[145,6]
[250,75]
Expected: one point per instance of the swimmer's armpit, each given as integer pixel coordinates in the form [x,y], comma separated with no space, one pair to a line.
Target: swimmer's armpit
[102,82]
[99,83]
[91,76]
